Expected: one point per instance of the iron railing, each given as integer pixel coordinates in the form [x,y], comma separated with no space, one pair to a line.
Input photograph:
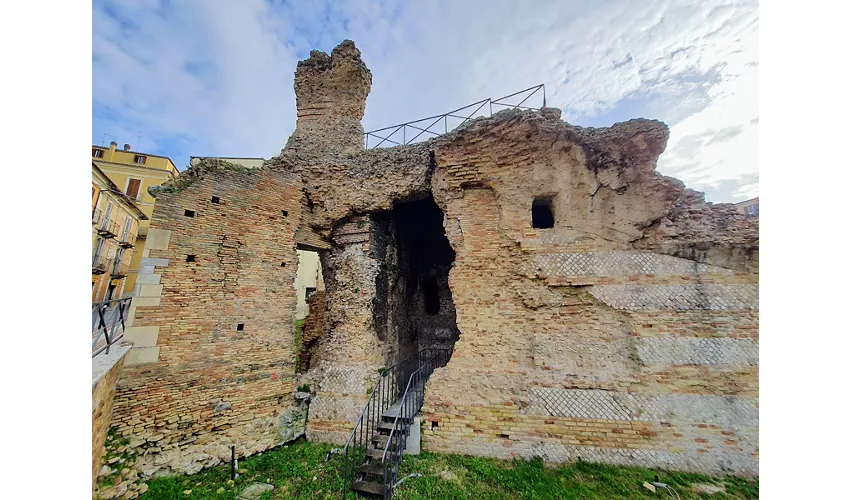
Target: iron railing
[389,389]
[431,124]
[120,269]
[100,264]
[108,228]
[409,406]
[127,240]
[108,322]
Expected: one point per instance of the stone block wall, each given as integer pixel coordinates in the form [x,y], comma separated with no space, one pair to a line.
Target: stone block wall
[106,368]
[213,361]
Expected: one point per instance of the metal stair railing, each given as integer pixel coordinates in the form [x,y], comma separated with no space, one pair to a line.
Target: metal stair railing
[385,392]
[411,403]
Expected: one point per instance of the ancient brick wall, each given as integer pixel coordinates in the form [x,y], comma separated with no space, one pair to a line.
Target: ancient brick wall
[347,358]
[573,343]
[216,359]
[626,333]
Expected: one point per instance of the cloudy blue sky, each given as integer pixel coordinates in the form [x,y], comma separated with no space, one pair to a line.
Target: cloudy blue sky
[214,77]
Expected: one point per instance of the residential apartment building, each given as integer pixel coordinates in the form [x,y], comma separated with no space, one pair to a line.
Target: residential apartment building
[133,172]
[749,208]
[115,226]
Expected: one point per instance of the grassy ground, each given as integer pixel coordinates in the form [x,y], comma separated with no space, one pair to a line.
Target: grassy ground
[299,470]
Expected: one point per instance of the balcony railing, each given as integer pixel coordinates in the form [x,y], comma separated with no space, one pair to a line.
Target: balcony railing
[100,264]
[107,228]
[127,240]
[120,269]
[411,132]
[108,322]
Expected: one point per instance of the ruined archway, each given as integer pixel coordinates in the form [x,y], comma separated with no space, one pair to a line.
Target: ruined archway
[413,309]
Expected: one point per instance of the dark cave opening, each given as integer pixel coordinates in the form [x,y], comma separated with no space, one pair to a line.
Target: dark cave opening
[415,310]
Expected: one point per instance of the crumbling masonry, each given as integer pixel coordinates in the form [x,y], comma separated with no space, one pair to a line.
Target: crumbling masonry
[627,332]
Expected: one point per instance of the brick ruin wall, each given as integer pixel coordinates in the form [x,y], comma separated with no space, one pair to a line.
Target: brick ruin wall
[575,340]
[212,385]
[627,333]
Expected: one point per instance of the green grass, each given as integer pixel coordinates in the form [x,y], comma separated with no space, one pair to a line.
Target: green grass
[299,470]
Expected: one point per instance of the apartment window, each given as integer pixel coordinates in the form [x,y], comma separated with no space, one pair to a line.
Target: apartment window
[752,211]
[98,249]
[128,223]
[140,159]
[133,188]
[97,153]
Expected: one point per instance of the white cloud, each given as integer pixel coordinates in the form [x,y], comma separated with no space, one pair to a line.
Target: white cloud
[218,75]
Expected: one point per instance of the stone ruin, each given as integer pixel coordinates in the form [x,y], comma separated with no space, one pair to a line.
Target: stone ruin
[596,309]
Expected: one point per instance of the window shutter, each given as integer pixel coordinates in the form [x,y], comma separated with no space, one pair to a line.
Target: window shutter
[133,188]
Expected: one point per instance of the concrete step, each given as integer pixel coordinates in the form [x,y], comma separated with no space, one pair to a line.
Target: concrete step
[374,468]
[376,454]
[380,441]
[368,487]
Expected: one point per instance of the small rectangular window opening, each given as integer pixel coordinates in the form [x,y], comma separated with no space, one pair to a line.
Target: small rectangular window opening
[140,159]
[283,264]
[216,199]
[189,213]
[284,212]
[240,327]
[190,258]
[97,153]
[542,216]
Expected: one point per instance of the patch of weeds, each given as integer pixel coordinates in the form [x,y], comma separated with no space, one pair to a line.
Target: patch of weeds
[119,459]
[303,388]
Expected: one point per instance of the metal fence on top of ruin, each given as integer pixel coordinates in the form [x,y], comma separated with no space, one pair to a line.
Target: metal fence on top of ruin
[433,126]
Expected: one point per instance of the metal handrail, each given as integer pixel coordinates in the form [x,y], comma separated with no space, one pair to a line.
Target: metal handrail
[99,264]
[108,228]
[385,392]
[128,239]
[121,268]
[402,127]
[107,318]
[410,404]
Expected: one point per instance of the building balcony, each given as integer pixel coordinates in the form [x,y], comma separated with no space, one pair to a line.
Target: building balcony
[95,216]
[107,228]
[127,240]
[120,269]
[100,264]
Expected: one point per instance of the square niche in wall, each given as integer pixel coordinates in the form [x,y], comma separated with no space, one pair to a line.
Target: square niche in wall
[542,214]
